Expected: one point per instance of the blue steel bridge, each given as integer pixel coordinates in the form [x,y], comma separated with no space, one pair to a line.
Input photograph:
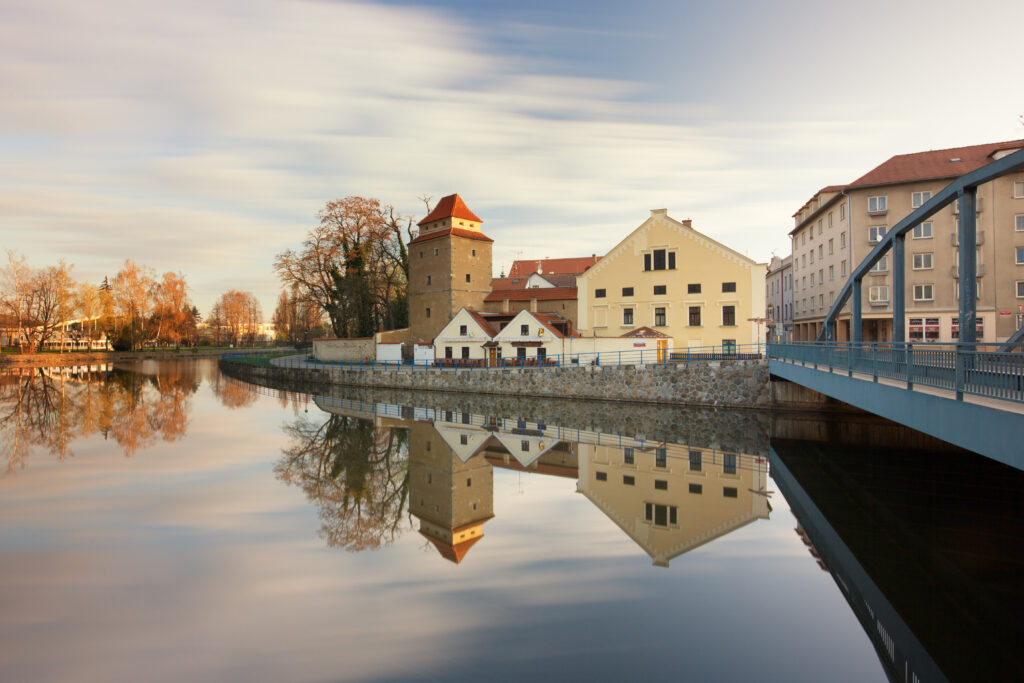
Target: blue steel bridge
[965,393]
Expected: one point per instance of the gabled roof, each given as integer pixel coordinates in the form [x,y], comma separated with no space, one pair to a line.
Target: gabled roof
[503,283]
[457,232]
[451,206]
[540,293]
[453,553]
[573,266]
[934,164]
[548,320]
[644,333]
[482,321]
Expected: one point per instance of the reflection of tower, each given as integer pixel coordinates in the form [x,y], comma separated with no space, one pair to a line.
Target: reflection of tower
[451,494]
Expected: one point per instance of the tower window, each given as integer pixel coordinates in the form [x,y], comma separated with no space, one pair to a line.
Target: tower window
[428,312]
[467,277]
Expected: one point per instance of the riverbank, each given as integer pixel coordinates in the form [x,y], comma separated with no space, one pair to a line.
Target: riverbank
[57,360]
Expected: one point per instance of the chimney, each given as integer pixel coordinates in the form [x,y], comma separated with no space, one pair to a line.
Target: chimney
[659,212]
[688,223]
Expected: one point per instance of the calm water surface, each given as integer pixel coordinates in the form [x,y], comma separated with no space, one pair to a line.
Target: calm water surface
[165,522]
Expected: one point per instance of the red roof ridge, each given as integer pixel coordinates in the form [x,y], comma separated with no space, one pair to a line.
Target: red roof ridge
[457,232]
[932,164]
[539,293]
[451,206]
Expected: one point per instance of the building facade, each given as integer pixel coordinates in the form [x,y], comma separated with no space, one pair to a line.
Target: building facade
[840,225]
[779,295]
[449,267]
[667,276]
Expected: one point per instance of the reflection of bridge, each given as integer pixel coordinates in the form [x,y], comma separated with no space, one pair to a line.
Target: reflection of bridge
[957,392]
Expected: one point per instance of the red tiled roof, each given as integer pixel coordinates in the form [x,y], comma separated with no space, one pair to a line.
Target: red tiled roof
[483,322]
[451,206]
[827,188]
[575,266]
[540,293]
[933,164]
[500,283]
[458,232]
[546,319]
[453,553]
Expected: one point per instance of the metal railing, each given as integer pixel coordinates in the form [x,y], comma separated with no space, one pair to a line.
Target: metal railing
[638,357]
[977,369]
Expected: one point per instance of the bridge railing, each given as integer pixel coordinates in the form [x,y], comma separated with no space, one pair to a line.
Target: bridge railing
[974,369]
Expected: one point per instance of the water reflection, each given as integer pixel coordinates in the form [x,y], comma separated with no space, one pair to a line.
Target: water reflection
[365,460]
[49,409]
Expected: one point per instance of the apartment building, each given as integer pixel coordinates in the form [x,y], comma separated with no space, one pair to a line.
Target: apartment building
[667,276]
[779,296]
[837,228]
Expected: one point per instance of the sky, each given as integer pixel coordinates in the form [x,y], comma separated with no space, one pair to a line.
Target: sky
[202,136]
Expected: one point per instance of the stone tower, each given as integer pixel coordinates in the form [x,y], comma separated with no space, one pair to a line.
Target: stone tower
[449,267]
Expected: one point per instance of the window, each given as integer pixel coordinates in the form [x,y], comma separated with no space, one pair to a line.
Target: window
[1018,190]
[922,261]
[524,330]
[831,273]
[647,262]
[728,286]
[919,198]
[627,456]
[882,266]
[428,312]
[627,316]
[465,353]
[931,329]
[520,352]
[463,439]
[728,316]
[878,204]
[428,280]
[979,326]
[812,256]
[831,246]
[728,346]
[977,291]
[842,268]
[1020,289]
[628,480]
[694,316]
[693,288]
[729,463]
[660,515]
[659,259]
[661,457]
[542,353]
[1019,222]
[661,485]
[671,260]
[435,251]
[627,291]
[830,219]
[842,240]
[695,461]
[820,248]
[448,352]
[878,294]
[819,226]
[876,233]
[659,317]
[467,277]
[600,476]
[842,212]
[812,279]
[659,289]
[599,293]
[463,331]
[916,329]
[821,276]
[474,251]
[1020,255]
[729,491]
[924,292]
[421,254]
[696,488]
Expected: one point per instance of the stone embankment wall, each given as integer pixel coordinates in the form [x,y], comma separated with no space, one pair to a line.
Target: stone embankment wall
[738,384]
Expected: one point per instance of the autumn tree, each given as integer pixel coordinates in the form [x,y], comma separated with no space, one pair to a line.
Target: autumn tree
[172,320]
[236,316]
[296,320]
[131,294]
[353,266]
[36,302]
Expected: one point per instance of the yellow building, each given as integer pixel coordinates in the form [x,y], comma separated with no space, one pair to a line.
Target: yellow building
[672,498]
[670,277]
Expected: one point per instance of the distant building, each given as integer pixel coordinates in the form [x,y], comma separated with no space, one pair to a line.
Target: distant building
[449,267]
[840,225]
[540,286]
[779,297]
[674,279]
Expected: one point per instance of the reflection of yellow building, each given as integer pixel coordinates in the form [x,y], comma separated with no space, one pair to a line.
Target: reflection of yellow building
[451,491]
[672,499]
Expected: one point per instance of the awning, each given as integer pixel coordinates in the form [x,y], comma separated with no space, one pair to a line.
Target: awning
[491,344]
[527,343]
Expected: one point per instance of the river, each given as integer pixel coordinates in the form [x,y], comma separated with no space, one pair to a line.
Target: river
[162,521]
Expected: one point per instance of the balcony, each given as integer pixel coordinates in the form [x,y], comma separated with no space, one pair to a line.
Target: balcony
[977,206]
[954,238]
